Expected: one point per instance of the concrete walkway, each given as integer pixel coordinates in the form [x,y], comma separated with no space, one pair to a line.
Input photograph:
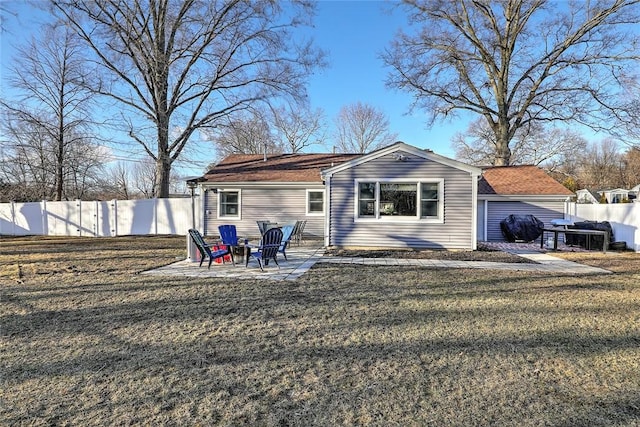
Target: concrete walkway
[301,259]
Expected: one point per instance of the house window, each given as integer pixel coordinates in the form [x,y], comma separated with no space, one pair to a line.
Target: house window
[367,199]
[315,202]
[400,200]
[229,204]
[429,200]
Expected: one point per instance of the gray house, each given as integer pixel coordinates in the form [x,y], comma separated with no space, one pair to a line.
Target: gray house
[401,197]
[397,197]
[245,188]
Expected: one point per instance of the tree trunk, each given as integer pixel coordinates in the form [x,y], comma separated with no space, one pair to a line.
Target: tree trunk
[503,152]
[163,162]
[163,172]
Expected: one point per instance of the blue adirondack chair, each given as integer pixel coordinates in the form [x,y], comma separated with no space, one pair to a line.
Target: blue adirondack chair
[287,231]
[268,249]
[229,238]
[206,250]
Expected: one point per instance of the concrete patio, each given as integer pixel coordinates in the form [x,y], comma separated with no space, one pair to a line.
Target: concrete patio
[302,258]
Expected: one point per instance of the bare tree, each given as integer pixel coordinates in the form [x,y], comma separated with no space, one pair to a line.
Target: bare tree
[31,161]
[298,127]
[246,133]
[181,66]
[117,183]
[144,178]
[361,128]
[50,75]
[548,148]
[26,167]
[518,62]
[601,166]
[631,162]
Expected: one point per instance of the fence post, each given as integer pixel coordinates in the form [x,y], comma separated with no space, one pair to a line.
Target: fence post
[155,216]
[13,218]
[45,217]
[114,216]
[79,216]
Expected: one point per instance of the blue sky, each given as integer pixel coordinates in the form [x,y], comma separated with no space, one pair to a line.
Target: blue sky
[353,33]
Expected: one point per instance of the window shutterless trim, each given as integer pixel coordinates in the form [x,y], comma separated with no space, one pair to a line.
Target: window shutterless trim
[219,203]
[308,212]
[439,219]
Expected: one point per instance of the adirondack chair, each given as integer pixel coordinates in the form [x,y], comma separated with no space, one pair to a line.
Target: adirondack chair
[268,249]
[229,238]
[298,230]
[287,231]
[262,226]
[205,249]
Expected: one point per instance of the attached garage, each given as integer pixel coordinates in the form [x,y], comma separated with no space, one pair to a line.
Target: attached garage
[519,190]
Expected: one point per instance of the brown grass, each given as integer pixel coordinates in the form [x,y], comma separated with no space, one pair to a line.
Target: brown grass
[86,340]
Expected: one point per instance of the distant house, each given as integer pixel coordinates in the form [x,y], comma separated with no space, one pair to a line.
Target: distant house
[617,195]
[587,196]
[519,190]
[399,196]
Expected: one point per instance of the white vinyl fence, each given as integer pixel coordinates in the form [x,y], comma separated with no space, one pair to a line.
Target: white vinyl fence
[623,217]
[99,218]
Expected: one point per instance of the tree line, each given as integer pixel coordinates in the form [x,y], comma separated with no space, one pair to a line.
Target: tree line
[232,72]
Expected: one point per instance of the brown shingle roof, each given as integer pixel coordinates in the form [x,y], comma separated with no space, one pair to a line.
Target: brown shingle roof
[277,168]
[520,180]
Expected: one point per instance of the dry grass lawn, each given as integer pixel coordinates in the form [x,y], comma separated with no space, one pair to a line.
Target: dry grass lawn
[86,340]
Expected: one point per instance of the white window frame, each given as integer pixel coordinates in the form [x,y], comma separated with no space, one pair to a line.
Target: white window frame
[394,219]
[219,201]
[315,190]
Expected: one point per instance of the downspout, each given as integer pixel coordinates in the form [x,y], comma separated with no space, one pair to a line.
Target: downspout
[327,212]
[486,220]
[474,211]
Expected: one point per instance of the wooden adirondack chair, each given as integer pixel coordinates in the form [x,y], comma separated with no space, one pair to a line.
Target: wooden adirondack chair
[205,249]
[268,249]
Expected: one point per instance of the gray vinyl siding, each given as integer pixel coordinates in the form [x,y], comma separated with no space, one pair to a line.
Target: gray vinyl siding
[545,211]
[278,204]
[454,233]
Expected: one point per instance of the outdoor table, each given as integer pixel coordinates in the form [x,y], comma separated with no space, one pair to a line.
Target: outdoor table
[588,233]
[243,249]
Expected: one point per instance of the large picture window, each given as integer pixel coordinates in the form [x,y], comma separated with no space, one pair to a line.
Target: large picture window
[229,204]
[400,200]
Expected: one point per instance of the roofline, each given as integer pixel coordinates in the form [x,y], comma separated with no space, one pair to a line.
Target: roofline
[523,197]
[429,155]
[261,183]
